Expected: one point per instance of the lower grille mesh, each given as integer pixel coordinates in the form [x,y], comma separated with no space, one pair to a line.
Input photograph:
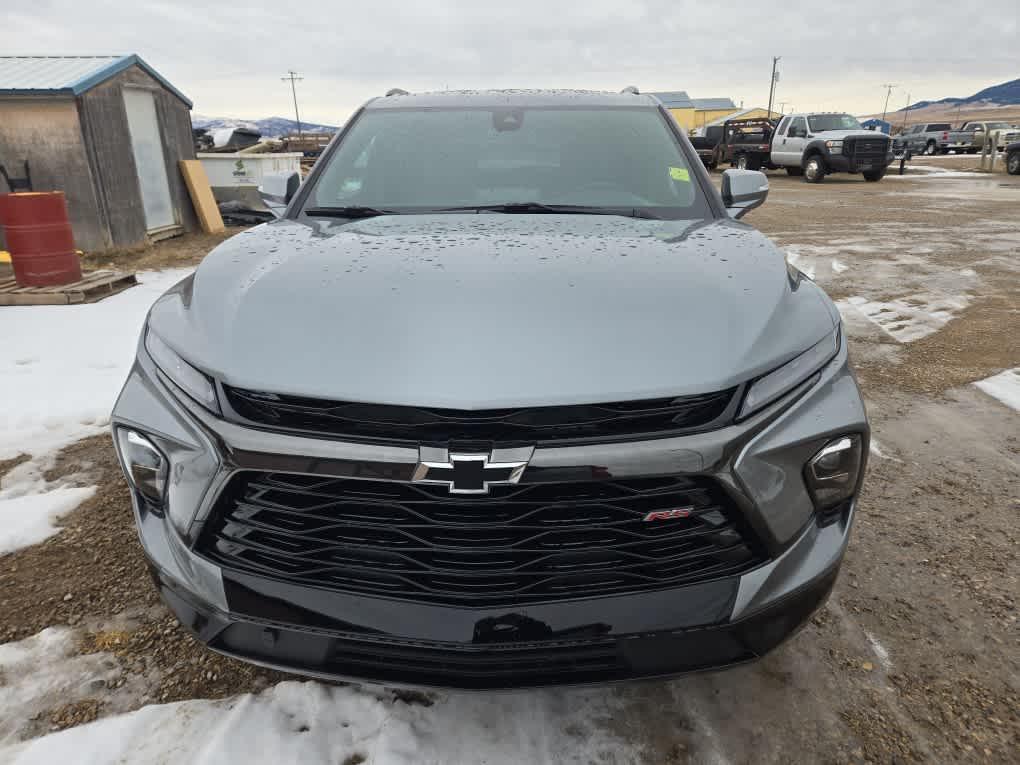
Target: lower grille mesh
[867,148]
[524,543]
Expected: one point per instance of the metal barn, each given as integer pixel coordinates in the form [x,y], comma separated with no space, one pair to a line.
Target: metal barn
[108,131]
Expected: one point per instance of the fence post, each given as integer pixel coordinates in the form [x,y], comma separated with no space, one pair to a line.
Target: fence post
[994,150]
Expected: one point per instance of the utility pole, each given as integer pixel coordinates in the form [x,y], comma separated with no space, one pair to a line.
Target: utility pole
[292,76]
[772,82]
[888,92]
[906,108]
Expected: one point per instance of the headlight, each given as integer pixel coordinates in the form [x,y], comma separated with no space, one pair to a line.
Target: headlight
[831,475]
[834,146]
[181,373]
[145,465]
[779,382]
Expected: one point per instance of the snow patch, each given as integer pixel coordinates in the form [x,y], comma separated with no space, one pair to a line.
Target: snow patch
[1004,386]
[880,651]
[44,672]
[29,519]
[911,317]
[876,449]
[311,723]
[930,171]
[837,267]
[61,367]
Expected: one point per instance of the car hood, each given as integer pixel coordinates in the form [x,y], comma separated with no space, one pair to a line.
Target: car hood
[491,310]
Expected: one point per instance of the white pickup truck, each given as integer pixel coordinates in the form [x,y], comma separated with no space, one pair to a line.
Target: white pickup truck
[816,144]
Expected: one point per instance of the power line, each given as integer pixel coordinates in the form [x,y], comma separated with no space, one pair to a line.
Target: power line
[888,92]
[292,76]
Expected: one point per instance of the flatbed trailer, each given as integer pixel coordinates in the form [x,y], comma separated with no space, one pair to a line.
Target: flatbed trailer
[747,143]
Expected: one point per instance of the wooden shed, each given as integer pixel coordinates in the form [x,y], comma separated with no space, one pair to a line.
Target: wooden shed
[108,131]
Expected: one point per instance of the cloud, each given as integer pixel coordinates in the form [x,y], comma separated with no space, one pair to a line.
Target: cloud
[229,57]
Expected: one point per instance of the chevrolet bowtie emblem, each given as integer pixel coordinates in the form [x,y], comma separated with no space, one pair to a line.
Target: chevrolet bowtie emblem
[470,473]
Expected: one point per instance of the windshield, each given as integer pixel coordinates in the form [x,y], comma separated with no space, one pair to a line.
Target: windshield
[819,123]
[412,160]
[997,126]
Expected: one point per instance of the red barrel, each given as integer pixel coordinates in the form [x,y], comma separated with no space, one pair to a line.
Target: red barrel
[39,238]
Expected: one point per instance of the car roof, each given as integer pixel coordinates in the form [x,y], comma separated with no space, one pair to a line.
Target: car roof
[521,98]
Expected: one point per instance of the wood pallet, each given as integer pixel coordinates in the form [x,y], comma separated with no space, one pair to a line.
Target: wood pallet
[95,286]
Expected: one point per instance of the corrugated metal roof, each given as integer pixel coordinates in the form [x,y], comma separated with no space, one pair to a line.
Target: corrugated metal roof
[674,99]
[49,72]
[713,103]
[678,99]
[68,75]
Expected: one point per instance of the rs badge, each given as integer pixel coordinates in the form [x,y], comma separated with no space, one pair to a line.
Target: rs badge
[668,515]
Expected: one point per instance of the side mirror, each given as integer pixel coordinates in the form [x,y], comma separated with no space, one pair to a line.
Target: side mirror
[743,190]
[278,189]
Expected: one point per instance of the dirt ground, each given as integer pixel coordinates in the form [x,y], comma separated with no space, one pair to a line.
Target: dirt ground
[914,658]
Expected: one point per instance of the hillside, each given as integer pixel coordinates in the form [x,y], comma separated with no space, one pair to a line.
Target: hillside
[1006,94]
[998,102]
[269,127]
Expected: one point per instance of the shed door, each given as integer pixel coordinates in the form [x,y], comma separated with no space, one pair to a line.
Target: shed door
[149,160]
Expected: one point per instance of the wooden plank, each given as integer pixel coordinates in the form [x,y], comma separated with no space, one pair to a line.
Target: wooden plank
[32,298]
[95,286]
[201,196]
[109,287]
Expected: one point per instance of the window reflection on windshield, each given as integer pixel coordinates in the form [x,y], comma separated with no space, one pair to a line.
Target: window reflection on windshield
[822,122]
[407,159]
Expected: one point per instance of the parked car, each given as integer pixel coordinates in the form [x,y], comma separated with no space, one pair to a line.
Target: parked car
[506,397]
[1013,158]
[817,144]
[926,138]
[971,137]
[707,145]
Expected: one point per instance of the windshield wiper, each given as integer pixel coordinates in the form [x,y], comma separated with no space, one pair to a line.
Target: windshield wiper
[354,211]
[542,208]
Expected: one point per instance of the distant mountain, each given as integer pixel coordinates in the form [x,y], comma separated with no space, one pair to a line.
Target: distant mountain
[271,127]
[1006,94]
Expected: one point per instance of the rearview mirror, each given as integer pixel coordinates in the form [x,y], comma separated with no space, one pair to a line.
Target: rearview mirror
[278,189]
[743,190]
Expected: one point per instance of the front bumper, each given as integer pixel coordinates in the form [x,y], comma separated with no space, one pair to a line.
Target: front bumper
[840,163]
[327,632]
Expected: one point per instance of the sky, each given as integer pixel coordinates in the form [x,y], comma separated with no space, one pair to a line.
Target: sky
[229,57]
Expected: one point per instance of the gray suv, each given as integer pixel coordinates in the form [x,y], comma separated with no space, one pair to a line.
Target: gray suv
[506,397]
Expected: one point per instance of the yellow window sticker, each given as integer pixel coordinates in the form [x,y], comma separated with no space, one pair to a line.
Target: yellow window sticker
[679,174]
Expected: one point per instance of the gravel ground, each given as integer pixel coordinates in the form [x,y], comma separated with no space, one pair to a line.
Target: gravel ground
[914,658]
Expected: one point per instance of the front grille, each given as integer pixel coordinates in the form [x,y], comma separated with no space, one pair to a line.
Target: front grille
[542,424]
[551,659]
[867,148]
[493,664]
[523,543]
